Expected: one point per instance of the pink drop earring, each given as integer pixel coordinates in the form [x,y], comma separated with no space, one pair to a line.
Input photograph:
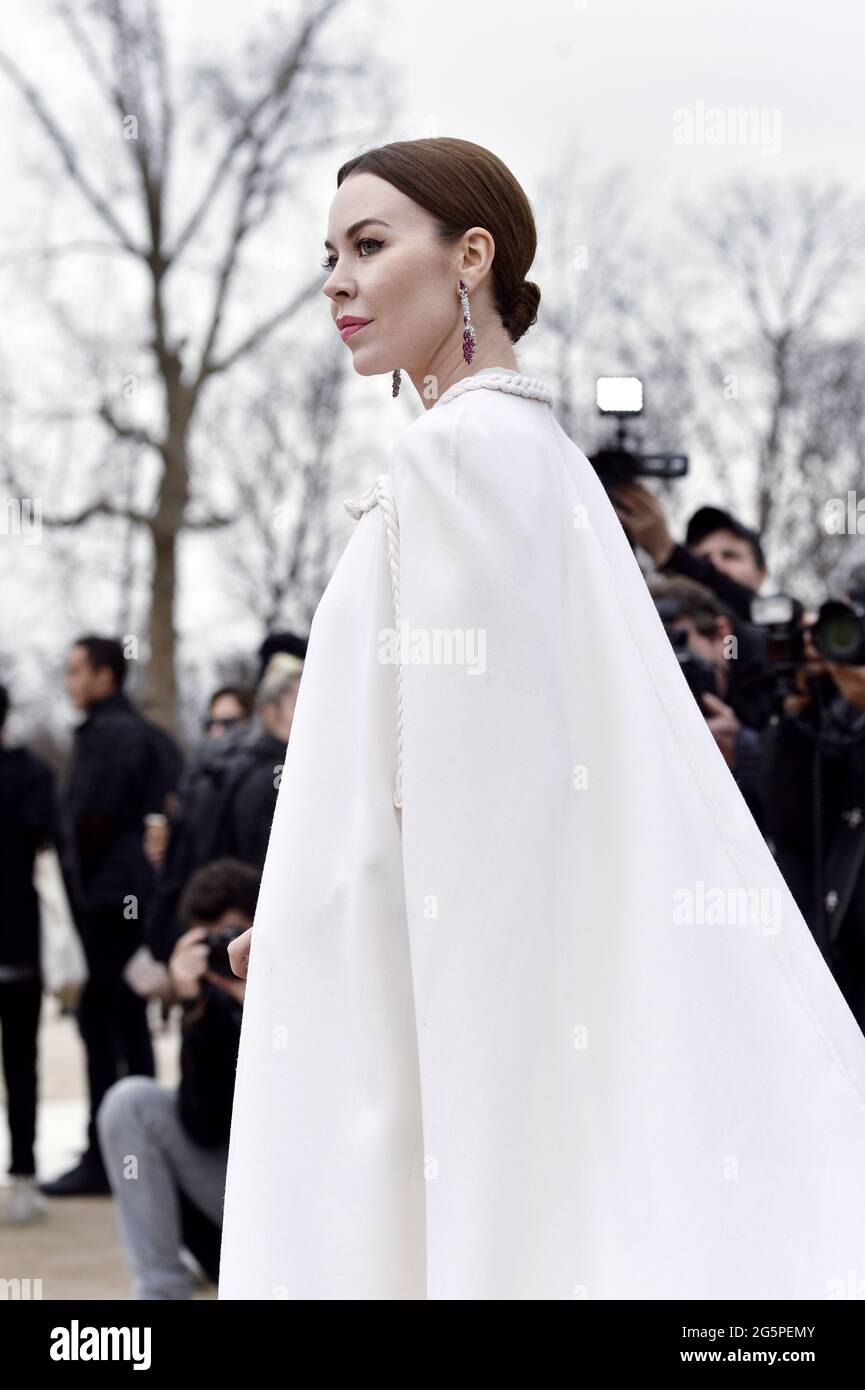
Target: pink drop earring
[469,336]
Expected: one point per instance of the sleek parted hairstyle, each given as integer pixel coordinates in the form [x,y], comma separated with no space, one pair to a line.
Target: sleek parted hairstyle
[464,185]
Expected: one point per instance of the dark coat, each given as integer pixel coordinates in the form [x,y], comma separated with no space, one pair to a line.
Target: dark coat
[28,820]
[118,774]
[815,815]
[195,824]
[249,803]
[700,568]
[210,1033]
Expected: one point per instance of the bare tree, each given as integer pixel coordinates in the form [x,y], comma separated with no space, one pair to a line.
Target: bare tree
[584,225]
[828,461]
[281,552]
[254,130]
[780,295]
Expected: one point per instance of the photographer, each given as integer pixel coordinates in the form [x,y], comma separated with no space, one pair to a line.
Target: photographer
[719,552]
[166,1151]
[815,805]
[720,656]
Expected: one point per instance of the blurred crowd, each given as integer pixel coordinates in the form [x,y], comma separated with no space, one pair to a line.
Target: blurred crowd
[159,856]
[149,862]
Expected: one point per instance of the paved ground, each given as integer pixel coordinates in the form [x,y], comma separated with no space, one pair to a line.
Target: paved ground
[75,1250]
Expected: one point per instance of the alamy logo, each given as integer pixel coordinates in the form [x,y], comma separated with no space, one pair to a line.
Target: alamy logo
[715,125]
[21,516]
[845,517]
[722,907]
[434,646]
[76,1343]
[20,1289]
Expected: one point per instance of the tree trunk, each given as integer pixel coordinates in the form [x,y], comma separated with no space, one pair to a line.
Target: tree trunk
[161,679]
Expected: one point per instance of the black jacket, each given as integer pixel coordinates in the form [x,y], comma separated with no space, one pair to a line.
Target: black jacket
[208,1061]
[119,772]
[750,689]
[195,824]
[28,820]
[700,568]
[249,803]
[815,813]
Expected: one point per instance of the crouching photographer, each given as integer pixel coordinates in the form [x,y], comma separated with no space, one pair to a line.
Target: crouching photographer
[815,765]
[722,658]
[165,1150]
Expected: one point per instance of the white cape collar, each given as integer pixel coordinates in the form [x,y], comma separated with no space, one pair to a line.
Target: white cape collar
[514,383]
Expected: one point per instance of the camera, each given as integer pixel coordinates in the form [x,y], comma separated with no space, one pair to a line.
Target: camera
[838,632]
[698,672]
[217,943]
[620,461]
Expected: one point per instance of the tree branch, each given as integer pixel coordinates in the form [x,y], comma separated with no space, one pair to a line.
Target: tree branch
[135,432]
[101,508]
[67,154]
[258,334]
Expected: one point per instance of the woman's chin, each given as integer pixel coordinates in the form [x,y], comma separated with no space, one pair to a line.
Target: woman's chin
[368,365]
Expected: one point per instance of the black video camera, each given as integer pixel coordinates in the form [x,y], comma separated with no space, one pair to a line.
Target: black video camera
[621,461]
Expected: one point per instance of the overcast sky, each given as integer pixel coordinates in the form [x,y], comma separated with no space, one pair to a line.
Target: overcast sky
[627,78]
[522,77]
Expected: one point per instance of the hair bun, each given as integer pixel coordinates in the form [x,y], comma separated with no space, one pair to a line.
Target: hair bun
[523,310]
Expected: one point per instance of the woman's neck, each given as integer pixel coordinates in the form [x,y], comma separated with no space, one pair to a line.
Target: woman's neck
[432,384]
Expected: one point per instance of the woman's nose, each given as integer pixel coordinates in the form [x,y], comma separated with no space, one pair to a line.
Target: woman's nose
[338,283]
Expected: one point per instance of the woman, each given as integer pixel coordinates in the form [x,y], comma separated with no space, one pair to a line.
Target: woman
[494,1044]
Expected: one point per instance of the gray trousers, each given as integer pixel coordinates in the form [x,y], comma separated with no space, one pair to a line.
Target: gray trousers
[148,1156]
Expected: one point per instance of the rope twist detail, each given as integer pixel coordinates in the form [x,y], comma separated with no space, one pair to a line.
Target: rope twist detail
[379,494]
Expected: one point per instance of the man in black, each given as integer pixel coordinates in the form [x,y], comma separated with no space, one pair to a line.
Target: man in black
[27,823]
[720,552]
[815,760]
[732,654]
[179,1137]
[119,774]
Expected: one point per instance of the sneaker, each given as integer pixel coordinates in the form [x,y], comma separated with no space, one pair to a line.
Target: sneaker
[86,1179]
[24,1202]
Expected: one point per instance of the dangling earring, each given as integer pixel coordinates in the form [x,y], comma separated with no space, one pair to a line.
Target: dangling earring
[469,338]
[397,379]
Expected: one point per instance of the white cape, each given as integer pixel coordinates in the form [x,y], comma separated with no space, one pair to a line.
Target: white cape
[555,1028]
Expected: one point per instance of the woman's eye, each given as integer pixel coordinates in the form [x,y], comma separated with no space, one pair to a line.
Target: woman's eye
[330,261]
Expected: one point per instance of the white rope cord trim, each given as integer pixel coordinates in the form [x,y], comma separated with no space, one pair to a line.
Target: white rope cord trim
[380,494]
[513,385]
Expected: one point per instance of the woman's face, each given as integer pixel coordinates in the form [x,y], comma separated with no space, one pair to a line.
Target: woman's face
[394,272]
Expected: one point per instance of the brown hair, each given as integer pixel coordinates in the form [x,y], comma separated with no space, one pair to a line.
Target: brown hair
[692,599]
[463,185]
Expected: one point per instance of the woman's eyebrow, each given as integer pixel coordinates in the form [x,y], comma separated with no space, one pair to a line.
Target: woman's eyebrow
[355,227]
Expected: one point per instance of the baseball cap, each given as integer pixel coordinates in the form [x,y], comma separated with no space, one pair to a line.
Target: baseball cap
[708,519]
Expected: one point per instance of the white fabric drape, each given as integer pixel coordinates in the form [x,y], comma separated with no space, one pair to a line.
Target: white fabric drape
[556,1028]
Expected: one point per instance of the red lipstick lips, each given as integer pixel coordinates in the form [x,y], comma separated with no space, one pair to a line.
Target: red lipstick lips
[348,324]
